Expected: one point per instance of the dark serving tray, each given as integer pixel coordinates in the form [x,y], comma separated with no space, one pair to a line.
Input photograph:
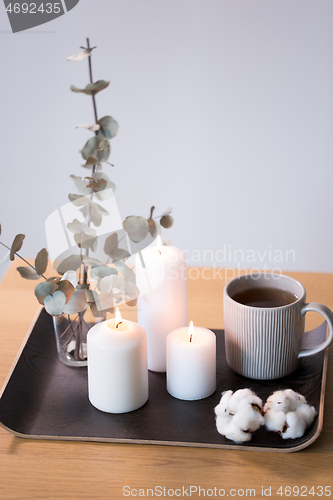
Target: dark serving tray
[46,399]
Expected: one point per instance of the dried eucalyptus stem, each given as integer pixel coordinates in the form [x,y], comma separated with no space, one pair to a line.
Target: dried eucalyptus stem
[93,168]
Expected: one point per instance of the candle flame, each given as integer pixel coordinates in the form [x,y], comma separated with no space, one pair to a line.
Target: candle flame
[191,330]
[159,243]
[118,318]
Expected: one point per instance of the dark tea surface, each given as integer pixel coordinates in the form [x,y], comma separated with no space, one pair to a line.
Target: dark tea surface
[265,297]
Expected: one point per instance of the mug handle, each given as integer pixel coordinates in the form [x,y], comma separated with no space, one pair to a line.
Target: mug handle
[328,315]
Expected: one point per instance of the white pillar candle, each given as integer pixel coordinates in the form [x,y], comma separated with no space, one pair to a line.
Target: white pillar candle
[162,305]
[191,363]
[117,366]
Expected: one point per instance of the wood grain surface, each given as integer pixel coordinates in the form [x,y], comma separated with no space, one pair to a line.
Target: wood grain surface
[35,469]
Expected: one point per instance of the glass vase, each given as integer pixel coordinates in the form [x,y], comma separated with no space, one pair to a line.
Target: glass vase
[71,336]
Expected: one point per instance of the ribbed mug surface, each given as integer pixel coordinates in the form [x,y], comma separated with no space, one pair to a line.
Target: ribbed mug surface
[262,343]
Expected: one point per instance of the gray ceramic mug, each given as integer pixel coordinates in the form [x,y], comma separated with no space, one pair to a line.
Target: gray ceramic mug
[264,342]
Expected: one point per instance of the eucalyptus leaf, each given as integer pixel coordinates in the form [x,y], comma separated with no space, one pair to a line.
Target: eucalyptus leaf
[90,261]
[102,209]
[81,185]
[70,276]
[94,206]
[79,56]
[129,275]
[111,243]
[41,261]
[71,263]
[97,86]
[66,287]
[91,160]
[104,301]
[44,289]
[109,189]
[99,272]
[55,303]
[152,227]
[89,126]
[16,245]
[84,240]
[137,227]
[166,221]
[113,284]
[78,200]
[91,148]
[120,266]
[120,254]
[77,226]
[95,213]
[54,279]
[77,303]
[91,87]
[97,184]
[109,126]
[28,273]
[104,145]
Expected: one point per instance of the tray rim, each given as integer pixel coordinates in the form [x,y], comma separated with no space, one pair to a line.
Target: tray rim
[236,446]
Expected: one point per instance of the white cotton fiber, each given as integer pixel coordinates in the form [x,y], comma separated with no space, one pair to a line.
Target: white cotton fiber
[238,415]
[288,413]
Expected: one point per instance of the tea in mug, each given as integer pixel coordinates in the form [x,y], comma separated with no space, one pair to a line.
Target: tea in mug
[265,297]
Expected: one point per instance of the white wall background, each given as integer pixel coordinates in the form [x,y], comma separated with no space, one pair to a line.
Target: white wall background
[225,110]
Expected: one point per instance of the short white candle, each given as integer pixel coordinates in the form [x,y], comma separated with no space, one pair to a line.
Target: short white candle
[162,305]
[117,365]
[191,363]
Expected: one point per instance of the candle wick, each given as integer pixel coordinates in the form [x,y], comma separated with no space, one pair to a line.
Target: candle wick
[191,338]
[120,322]
[159,251]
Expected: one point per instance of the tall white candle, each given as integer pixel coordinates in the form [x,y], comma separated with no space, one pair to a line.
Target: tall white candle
[117,366]
[191,363]
[162,305]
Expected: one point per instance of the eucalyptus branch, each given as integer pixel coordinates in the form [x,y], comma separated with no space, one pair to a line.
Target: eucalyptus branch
[59,296]
[93,169]
[22,258]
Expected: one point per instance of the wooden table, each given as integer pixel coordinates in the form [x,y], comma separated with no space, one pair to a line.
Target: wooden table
[36,469]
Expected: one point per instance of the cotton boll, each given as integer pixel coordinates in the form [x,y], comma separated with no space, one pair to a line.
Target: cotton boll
[295,426]
[275,420]
[238,415]
[288,413]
